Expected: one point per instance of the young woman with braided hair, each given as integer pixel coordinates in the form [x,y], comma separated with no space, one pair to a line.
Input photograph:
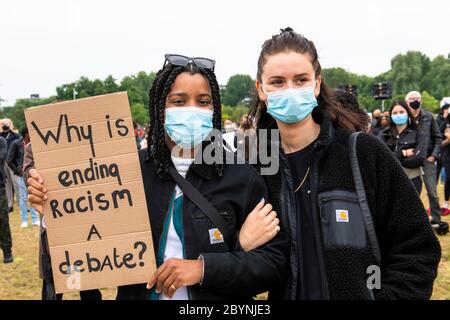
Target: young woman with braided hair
[196,259]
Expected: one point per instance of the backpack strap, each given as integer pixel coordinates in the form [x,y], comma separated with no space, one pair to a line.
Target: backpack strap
[202,203]
[362,199]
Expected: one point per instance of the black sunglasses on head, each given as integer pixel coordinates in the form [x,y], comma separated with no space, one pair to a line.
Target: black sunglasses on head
[179,60]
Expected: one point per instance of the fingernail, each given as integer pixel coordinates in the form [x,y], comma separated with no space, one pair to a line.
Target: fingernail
[262,200]
[40,180]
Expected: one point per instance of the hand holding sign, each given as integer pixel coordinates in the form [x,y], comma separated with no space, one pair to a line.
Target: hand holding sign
[88,184]
[37,193]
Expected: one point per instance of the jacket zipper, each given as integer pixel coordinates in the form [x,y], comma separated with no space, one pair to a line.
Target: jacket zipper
[317,231]
[190,294]
[292,207]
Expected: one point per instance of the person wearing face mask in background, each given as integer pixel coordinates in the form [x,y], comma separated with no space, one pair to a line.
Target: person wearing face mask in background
[200,255]
[229,135]
[430,128]
[443,121]
[11,185]
[339,225]
[14,161]
[407,141]
[5,230]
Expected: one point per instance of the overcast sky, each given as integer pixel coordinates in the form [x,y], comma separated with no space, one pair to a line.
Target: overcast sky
[47,43]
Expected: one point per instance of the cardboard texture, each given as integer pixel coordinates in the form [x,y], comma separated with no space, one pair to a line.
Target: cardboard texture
[96,213]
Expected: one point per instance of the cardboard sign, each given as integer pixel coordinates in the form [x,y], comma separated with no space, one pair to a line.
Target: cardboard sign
[96,213]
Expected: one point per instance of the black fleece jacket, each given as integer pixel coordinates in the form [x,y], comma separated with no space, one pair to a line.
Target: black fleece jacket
[410,252]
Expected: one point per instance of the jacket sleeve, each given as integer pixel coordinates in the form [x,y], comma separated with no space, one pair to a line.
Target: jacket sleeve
[420,152]
[3,150]
[436,138]
[11,156]
[410,251]
[248,273]
[28,162]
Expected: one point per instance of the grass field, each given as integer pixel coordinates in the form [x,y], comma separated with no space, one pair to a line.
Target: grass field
[20,280]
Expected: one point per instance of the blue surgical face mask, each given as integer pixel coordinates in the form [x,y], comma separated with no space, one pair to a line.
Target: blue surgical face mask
[400,119]
[291,105]
[188,126]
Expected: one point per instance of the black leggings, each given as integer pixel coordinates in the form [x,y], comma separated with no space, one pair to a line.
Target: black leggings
[417,182]
[446,165]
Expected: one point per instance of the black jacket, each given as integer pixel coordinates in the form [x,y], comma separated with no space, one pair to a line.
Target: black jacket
[3,152]
[408,139]
[10,136]
[410,252]
[15,157]
[234,274]
[431,129]
[442,124]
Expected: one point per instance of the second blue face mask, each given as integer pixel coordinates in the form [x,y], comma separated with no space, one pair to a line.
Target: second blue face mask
[291,105]
[400,119]
[188,126]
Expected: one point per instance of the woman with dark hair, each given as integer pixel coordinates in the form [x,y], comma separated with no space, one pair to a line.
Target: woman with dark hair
[200,252]
[407,141]
[344,223]
[443,121]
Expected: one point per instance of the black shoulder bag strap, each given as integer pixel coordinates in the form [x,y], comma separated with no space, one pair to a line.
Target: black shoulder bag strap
[201,202]
[362,199]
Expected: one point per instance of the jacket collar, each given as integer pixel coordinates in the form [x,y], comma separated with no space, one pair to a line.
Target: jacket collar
[323,141]
[204,170]
[327,132]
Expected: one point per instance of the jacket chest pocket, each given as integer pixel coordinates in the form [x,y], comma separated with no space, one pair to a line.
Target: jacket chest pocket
[226,214]
[341,220]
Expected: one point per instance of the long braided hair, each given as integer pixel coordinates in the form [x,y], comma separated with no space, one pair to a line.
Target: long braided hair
[157,149]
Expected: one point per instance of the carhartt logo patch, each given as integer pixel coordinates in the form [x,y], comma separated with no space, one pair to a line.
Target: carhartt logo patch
[342,216]
[215,236]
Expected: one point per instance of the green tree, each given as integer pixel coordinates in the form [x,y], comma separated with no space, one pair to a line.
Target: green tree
[437,79]
[138,87]
[429,102]
[408,71]
[238,88]
[335,77]
[110,84]
[16,112]
[139,113]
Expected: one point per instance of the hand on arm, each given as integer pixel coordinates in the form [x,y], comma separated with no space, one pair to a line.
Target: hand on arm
[260,226]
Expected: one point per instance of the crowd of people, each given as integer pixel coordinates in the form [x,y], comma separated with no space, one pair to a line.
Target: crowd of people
[420,142]
[12,184]
[345,197]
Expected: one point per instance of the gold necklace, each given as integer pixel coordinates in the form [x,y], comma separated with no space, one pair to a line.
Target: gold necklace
[303,181]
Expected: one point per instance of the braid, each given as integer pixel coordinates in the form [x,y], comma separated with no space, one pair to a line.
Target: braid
[215,91]
[157,148]
[217,105]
